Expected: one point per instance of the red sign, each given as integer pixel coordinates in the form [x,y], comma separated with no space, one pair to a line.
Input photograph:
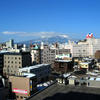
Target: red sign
[21,91]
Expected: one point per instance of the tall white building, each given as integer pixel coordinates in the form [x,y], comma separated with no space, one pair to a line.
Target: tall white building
[85,48]
[10,43]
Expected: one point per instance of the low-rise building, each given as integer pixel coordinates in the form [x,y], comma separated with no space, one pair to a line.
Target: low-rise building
[63,66]
[23,86]
[42,71]
[85,65]
[93,82]
[72,80]
[63,79]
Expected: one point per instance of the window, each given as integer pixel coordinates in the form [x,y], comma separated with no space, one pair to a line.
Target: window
[19,62]
[17,96]
[8,61]
[19,66]
[25,98]
[15,57]
[21,97]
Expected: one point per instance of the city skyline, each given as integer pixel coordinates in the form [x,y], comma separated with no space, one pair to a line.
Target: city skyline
[28,19]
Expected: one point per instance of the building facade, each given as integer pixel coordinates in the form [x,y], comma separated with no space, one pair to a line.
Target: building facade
[14,61]
[42,71]
[63,66]
[47,54]
[85,48]
[23,86]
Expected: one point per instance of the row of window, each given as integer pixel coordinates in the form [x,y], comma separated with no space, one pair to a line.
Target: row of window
[13,58]
[21,97]
[9,71]
[12,66]
[13,62]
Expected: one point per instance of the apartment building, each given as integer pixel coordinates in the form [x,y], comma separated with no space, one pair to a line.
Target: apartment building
[23,86]
[14,61]
[47,54]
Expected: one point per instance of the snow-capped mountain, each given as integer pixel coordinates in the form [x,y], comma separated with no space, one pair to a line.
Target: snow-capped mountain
[51,39]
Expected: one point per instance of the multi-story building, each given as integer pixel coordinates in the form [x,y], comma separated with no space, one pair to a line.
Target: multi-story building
[63,66]
[97,54]
[23,86]
[2,61]
[42,71]
[47,54]
[14,61]
[10,43]
[85,48]
[35,54]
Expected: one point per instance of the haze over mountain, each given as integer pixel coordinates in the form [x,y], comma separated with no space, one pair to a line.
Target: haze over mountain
[50,39]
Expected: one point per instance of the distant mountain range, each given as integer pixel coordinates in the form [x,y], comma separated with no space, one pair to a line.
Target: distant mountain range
[54,39]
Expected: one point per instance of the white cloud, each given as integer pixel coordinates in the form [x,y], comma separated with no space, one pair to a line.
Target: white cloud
[11,33]
[36,34]
[64,36]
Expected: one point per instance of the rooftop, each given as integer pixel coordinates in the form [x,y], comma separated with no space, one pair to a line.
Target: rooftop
[29,75]
[17,53]
[68,92]
[63,60]
[85,63]
[33,67]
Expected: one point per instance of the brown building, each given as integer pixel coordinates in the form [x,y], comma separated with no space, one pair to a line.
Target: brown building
[14,61]
[23,86]
[63,66]
[97,54]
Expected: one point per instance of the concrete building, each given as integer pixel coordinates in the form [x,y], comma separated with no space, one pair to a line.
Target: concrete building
[35,54]
[47,54]
[63,79]
[1,63]
[23,86]
[97,54]
[85,66]
[10,43]
[14,61]
[63,66]
[72,80]
[93,82]
[85,48]
[42,71]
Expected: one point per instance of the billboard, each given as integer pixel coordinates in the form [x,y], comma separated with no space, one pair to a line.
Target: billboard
[21,91]
[90,35]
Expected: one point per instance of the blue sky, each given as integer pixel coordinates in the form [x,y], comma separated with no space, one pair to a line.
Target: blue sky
[28,19]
